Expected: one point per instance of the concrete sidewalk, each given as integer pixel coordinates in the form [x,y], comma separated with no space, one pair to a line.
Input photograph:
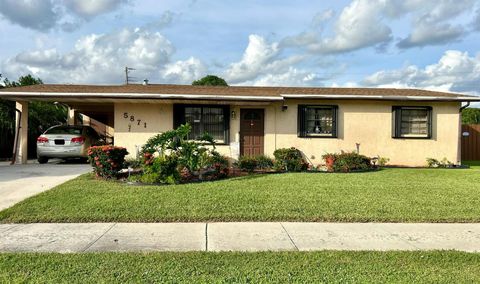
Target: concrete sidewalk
[246,236]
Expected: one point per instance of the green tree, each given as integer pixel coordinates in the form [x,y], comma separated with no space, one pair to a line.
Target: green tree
[210,80]
[41,115]
[471,116]
[23,81]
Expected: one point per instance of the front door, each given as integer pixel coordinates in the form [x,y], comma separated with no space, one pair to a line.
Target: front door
[251,132]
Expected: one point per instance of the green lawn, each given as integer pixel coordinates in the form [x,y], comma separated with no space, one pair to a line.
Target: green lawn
[265,267]
[395,195]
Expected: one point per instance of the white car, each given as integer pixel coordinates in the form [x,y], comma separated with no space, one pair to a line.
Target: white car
[66,142]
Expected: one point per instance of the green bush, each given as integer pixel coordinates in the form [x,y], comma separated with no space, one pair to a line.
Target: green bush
[216,167]
[351,161]
[107,160]
[289,160]
[162,170]
[382,161]
[134,163]
[149,178]
[264,162]
[434,163]
[247,163]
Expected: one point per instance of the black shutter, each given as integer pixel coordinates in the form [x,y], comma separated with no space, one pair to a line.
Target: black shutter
[334,121]
[429,121]
[226,123]
[301,121]
[178,115]
[396,121]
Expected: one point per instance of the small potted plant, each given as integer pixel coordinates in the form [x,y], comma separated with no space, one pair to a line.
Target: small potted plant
[329,161]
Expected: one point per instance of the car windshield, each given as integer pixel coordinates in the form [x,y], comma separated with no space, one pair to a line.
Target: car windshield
[65,130]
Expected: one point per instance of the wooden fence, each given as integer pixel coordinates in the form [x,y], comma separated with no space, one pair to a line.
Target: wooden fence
[471,142]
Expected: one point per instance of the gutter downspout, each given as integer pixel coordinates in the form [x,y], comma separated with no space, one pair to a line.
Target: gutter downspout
[465,106]
[17,135]
[459,153]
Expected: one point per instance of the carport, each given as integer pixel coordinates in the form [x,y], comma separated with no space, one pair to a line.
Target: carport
[122,108]
[95,112]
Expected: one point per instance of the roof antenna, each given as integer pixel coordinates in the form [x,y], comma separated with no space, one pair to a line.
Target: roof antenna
[128,79]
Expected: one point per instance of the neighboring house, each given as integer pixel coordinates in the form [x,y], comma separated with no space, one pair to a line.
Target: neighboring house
[405,125]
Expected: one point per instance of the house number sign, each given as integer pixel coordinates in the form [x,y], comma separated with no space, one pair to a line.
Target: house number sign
[134,121]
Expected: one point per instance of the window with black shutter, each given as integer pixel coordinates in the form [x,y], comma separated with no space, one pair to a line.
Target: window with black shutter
[210,119]
[317,121]
[412,122]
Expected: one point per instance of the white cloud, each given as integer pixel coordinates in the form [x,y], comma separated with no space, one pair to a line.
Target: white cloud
[89,9]
[292,77]
[321,18]
[96,58]
[359,25]
[262,64]
[34,14]
[44,15]
[476,20]
[431,21]
[184,72]
[363,23]
[39,57]
[455,71]
[426,34]
[258,54]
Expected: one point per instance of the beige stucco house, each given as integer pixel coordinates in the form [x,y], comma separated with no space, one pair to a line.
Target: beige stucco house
[405,125]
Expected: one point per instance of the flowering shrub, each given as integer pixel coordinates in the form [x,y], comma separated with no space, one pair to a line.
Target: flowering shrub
[216,167]
[107,160]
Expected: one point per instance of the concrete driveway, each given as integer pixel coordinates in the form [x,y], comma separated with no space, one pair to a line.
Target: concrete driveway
[18,182]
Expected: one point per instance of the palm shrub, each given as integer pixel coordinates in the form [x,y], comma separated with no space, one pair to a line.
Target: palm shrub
[194,161]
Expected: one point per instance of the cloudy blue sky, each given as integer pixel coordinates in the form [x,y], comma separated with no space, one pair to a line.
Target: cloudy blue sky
[432,44]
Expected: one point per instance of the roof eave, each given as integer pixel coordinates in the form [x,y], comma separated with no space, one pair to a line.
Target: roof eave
[281,97]
[380,97]
[139,96]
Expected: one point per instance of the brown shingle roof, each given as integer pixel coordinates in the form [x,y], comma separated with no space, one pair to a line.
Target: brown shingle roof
[230,91]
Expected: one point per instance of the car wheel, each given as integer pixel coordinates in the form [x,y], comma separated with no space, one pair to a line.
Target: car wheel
[42,160]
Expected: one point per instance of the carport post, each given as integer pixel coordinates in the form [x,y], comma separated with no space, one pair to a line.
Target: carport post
[22,132]
[71,116]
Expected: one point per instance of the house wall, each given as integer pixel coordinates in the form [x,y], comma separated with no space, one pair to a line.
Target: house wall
[368,123]
[158,118]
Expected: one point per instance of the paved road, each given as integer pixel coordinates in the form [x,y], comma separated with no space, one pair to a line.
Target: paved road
[89,237]
[18,182]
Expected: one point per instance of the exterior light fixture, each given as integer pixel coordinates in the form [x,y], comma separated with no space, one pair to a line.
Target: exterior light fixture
[284,107]
[233,114]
